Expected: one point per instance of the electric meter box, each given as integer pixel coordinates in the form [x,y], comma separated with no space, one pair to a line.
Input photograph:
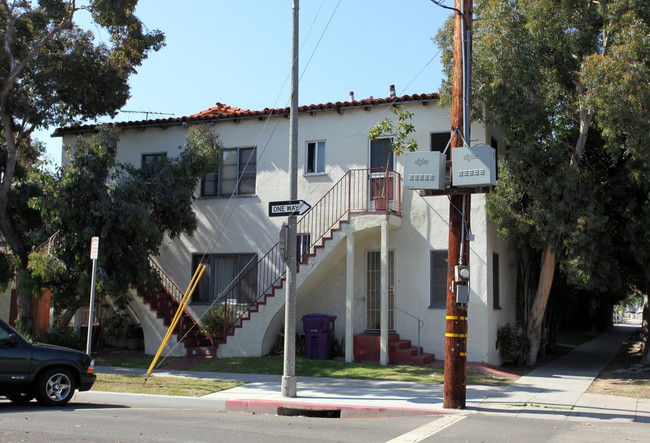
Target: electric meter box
[424,170]
[474,166]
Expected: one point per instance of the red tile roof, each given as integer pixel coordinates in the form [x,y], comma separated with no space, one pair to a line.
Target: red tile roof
[225,112]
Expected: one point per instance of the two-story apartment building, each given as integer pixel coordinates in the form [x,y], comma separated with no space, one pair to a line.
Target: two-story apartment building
[361,218]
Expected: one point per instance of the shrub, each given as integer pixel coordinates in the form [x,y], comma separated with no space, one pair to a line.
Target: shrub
[66,337]
[216,321]
[278,346]
[512,344]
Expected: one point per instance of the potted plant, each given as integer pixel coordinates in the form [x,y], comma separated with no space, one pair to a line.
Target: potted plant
[134,335]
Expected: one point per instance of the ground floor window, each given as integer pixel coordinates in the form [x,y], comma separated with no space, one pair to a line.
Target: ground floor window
[231,276]
[438,298]
[303,245]
[496,290]
[373,291]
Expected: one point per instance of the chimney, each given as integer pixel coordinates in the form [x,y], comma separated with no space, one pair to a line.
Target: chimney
[352,96]
[392,90]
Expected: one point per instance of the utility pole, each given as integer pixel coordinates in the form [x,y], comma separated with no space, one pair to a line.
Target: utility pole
[289,371]
[459,209]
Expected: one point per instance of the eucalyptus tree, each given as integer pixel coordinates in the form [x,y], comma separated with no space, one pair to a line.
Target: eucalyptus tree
[131,209]
[52,73]
[551,74]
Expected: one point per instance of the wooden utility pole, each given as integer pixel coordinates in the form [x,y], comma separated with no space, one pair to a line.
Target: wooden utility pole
[459,209]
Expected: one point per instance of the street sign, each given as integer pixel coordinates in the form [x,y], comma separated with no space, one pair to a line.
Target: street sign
[94,248]
[288,208]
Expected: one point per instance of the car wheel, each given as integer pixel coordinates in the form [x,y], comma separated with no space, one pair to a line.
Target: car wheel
[20,398]
[55,387]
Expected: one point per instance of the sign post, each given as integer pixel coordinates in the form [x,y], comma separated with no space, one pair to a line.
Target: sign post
[94,252]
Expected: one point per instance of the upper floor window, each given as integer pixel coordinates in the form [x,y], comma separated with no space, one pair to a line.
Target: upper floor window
[381,154]
[315,163]
[148,160]
[439,142]
[236,176]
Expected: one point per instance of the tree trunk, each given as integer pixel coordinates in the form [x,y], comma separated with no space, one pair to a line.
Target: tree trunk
[25,308]
[645,324]
[538,308]
[64,319]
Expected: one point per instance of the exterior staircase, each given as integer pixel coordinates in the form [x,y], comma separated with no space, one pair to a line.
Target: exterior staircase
[164,303]
[367,349]
[362,191]
[359,191]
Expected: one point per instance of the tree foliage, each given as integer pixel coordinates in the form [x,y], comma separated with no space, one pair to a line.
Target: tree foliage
[399,133]
[567,81]
[53,72]
[130,209]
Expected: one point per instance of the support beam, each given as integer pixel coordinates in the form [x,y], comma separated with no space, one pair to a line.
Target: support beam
[383,356]
[349,300]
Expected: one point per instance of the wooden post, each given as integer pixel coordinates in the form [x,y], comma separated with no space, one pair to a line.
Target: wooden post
[459,209]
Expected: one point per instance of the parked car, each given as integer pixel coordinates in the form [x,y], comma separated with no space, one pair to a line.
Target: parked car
[49,373]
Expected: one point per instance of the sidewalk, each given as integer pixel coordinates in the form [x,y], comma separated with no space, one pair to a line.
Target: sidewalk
[557,390]
[553,391]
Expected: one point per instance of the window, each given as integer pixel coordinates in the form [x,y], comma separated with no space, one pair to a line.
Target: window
[221,274]
[303,248]
[149,160]
[381,155]
[496,290]
[438,279]
[236,176]
[315,163]
[373,291]
[439,142]
[495,144]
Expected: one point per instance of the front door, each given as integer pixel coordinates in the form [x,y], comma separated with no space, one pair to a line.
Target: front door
[380,186]
[373,291]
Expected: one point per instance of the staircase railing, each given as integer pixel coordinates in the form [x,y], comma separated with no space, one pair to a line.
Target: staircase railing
[174,291]
[358,191]
[420,325]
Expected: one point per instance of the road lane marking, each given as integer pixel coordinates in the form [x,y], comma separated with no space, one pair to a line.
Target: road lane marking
[428,430]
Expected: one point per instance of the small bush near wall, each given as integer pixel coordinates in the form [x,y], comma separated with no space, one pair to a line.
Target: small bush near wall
[278,346]
[217,321]
[512,344]
[67,338]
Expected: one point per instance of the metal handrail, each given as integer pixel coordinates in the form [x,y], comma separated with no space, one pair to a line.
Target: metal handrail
[358,191]
[171,289]
[420,324]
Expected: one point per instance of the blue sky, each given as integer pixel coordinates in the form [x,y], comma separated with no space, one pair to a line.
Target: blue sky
[239,53]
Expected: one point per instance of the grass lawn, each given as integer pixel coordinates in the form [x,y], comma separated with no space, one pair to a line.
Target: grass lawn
[624,375]
[621,377]
[135,384]
[341,369]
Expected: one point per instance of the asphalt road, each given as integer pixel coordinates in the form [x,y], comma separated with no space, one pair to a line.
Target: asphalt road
[112,423]
[98,423]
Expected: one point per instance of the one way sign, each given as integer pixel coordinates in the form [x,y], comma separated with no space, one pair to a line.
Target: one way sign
[288,208]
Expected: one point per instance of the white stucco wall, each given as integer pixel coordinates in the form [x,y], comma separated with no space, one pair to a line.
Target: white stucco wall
[241,225]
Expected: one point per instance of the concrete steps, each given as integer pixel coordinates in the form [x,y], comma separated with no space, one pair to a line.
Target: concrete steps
[400,352]
[164,306]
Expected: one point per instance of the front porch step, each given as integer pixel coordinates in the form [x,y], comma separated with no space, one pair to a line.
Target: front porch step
[202,352]
[400,352]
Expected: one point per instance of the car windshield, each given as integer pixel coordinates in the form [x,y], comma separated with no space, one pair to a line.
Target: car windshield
[6,330]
